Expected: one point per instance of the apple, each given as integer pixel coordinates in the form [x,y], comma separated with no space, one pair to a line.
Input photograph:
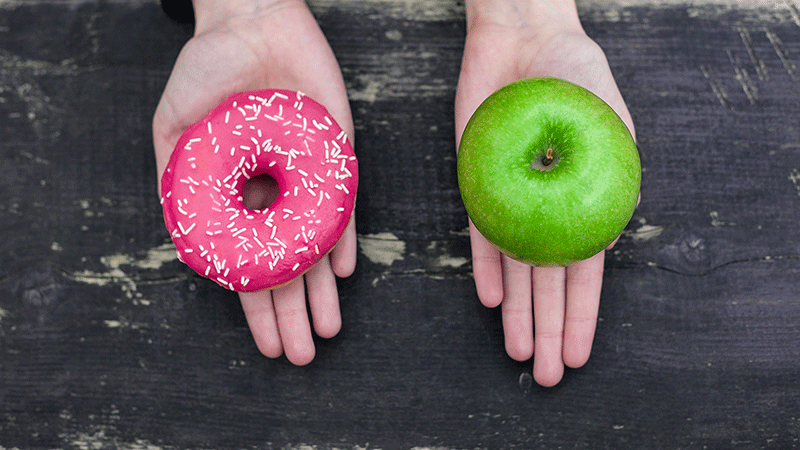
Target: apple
[548,172]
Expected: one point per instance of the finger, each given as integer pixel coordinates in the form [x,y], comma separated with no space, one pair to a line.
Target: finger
[323,299]
[486,268]
[548,315]
[260,314]
[343,255]
[584,283]
[516,309]
[613,243]
[295,330]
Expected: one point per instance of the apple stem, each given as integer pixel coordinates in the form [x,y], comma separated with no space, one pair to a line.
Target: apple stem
[548,157]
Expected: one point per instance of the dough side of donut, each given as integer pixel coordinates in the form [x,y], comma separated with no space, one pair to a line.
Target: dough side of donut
[287,136]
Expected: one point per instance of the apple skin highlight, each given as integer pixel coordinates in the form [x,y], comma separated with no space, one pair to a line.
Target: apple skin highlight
[553,214]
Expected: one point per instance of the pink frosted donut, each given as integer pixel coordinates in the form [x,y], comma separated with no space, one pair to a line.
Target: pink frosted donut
[282,134]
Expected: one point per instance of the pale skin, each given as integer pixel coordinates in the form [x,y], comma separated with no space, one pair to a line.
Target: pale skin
[243,45]
[549,314]
[239,45]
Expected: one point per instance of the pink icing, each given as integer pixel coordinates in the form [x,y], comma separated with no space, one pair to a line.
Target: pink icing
[287,136]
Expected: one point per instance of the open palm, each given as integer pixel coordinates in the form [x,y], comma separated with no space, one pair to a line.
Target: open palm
[548,313]
[282,47]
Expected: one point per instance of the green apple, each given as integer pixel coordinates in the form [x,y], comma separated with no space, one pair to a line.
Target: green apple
[548,172]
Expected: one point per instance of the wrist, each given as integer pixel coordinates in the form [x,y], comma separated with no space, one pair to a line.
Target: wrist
[210,14]
[544,17]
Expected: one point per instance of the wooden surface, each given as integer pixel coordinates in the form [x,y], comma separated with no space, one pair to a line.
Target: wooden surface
[107,342]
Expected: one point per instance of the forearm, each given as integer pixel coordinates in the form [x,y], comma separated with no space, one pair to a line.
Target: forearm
[544,15]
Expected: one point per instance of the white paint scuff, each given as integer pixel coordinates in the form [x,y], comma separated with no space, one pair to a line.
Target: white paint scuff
[152,260]
[382,248]
[646,232]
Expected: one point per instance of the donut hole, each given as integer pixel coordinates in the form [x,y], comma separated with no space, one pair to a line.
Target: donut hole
[259,192]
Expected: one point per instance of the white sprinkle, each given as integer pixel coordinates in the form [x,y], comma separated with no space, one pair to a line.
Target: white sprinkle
[186,231]
[295,266]
[227,116]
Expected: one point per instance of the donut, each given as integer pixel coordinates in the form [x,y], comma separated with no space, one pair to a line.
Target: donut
[284,135]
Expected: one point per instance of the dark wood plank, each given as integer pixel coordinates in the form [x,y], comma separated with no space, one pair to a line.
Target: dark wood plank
[107,342]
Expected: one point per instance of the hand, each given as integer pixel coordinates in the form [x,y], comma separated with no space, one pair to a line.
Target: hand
[548,313]
[242,45]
